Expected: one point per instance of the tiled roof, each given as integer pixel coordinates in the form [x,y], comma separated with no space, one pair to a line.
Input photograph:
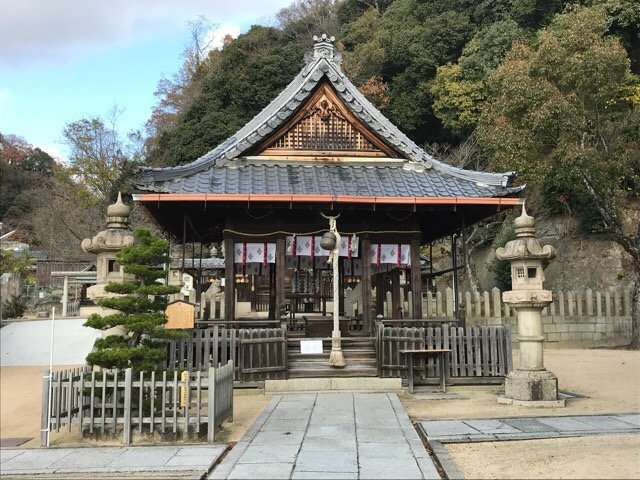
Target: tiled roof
[218,171]
[380,181]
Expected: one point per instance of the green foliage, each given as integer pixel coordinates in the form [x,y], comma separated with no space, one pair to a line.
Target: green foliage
[14,307]
[11,262]
[501,269]
[564,113]
[40,162]
[140,309]
[242,79]
[100,158]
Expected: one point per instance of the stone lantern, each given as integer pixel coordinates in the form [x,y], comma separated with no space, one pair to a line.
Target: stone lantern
[530,384]
[106,244]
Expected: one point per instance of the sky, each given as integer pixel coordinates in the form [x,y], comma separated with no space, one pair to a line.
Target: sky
[63,60]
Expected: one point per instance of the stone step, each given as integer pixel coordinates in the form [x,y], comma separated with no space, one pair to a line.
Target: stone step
[346,383]
[329,372]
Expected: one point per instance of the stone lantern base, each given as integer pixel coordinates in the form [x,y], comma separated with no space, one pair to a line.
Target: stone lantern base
[538,388]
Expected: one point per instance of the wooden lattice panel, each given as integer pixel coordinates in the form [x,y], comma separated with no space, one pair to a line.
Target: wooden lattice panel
[324,128]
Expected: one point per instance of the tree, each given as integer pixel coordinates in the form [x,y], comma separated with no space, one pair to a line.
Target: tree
[23,171]
[140,309]
[176,94]
[565,113]
[245,76]
[100,158]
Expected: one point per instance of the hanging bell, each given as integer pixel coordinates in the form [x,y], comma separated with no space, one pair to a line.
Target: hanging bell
[328,241]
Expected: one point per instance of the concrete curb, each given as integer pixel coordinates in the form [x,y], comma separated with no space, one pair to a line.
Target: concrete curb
[447,464]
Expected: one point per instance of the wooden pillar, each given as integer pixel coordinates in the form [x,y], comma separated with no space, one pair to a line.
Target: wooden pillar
[396,300]
[281,266]
[365,245]
[273,301]
[229,281]
[416,279]
[380,293]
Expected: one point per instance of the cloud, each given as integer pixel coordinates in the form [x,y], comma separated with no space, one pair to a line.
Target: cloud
[33,31]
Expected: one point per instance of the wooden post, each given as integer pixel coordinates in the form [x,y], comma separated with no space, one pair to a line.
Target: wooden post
[396,301]
[366,283]
[211,395]
[416,279]
[126,439]
[229,281]
[380,294]
[44,413]
[281,251]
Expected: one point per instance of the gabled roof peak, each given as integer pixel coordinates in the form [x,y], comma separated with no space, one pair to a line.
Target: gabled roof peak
[323,49]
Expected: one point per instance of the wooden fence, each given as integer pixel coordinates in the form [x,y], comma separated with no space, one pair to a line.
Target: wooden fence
[478,354]
[615,302]
[257,353]
[111,401]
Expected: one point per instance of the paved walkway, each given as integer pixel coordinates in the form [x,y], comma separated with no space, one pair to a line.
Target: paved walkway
[330,435]
[191,461]
[522,428]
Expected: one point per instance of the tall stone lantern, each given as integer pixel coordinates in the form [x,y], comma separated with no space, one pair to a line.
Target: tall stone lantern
[106,244]
[530,384]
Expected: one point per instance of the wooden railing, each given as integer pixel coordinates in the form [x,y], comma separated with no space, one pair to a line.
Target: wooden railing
[114,401]
[477,353]
[257,353]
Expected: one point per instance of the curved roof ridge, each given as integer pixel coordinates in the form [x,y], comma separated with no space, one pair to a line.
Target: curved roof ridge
[322,62]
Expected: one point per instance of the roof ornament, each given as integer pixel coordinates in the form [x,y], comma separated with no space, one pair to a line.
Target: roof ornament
[323,48]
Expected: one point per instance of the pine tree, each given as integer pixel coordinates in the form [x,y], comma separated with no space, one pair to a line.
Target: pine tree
[140,309]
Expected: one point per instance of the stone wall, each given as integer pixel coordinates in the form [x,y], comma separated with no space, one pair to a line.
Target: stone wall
[575,318]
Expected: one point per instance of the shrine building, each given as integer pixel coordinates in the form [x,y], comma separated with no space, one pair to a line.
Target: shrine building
[320,147]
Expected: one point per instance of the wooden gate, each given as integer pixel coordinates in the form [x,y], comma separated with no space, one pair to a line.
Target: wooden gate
[262,354]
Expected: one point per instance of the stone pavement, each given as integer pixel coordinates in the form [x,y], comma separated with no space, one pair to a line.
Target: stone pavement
[524,428]
[191,461]
[330,435]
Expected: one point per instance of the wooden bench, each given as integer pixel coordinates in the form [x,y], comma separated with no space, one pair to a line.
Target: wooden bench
[442,354]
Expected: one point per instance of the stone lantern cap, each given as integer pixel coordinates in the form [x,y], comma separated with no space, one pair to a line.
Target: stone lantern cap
[525,246]
[117,235]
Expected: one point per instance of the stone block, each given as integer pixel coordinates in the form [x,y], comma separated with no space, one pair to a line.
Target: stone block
[601,328]
[586,327]
[374,434]
[341,462]
[388,468]
[587,336]
[278,438]
[565,336]
[438,428]
[576,336]
[553,337]
[562,327]
[270,470]
[297,385]
[366,384]
[270,454]
[548,327]
[531,385]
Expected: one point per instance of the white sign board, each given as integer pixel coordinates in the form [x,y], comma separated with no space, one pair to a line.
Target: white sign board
[310,346]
